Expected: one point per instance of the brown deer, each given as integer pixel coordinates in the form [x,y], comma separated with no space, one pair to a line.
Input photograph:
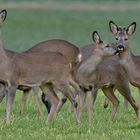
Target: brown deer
[27,70]
[109,78]
[130,62]
[26,89]
[86,73]
[93,73]
[108,68]
[56,45]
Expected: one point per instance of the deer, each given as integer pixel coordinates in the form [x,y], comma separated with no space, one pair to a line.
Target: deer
[128,60]
[89,74]
[26,90]
[109,79]
[107,68]
[55,45]
[64,47]
[28,70]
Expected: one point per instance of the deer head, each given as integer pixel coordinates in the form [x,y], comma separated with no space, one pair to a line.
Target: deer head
[104,48]
[122,34]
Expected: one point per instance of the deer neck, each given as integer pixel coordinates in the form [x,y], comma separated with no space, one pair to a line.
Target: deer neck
[87,69]
[4,62]
[3,56]
[129,64]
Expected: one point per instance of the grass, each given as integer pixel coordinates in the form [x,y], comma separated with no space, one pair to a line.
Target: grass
[23,29]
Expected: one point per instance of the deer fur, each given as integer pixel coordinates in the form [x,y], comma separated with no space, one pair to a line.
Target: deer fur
[130,62]
[107,77]
[34,69]
[66,48]
[56,45]
[86,73]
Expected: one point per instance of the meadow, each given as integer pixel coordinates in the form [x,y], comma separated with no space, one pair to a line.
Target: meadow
[26,27]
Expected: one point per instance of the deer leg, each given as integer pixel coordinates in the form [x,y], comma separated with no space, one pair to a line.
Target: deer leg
[10,96]
[82,97]
[52,98]
[61,103]
[126,104]
[24,100]
[109,93]
[125,85]
[36,99]
[90,105]
[64,87]
[127,94]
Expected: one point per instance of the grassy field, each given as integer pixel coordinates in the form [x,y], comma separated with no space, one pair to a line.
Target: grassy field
[23,29]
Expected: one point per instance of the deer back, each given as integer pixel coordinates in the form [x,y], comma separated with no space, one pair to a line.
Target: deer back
[67,49]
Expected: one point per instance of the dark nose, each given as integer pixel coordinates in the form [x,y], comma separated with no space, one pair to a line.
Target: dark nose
[120,47]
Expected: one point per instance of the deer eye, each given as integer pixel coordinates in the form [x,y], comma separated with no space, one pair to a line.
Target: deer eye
[126,39]
[117,39]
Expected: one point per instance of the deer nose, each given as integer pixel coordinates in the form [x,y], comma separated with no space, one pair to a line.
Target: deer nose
[120,47]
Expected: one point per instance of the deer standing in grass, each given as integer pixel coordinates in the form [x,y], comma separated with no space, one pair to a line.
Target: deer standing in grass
[70,51]
[130,62]
[45,70]
[108,70]
[90,75]
[107,77]
[56,45]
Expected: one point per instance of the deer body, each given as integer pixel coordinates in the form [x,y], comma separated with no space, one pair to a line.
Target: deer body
[132,66]
[104,75]
[127,59]
[108,71]
[25,89]
[23,70]
[88,75]
[56,45]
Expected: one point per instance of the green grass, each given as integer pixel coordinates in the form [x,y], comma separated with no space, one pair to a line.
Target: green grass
[31,126]
[23,29]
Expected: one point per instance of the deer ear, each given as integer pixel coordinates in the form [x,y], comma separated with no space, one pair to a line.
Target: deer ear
[131,28]
[3,15]
[113,27]
[96,37]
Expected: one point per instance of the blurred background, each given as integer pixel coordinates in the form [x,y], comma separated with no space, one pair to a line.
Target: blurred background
[33,21]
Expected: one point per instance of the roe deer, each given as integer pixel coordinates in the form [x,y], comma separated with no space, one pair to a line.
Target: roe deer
[90,74]
[109,78]
[85,73]
[26,90]
[34,69]
[56,45]
[108,69]
[130,62]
